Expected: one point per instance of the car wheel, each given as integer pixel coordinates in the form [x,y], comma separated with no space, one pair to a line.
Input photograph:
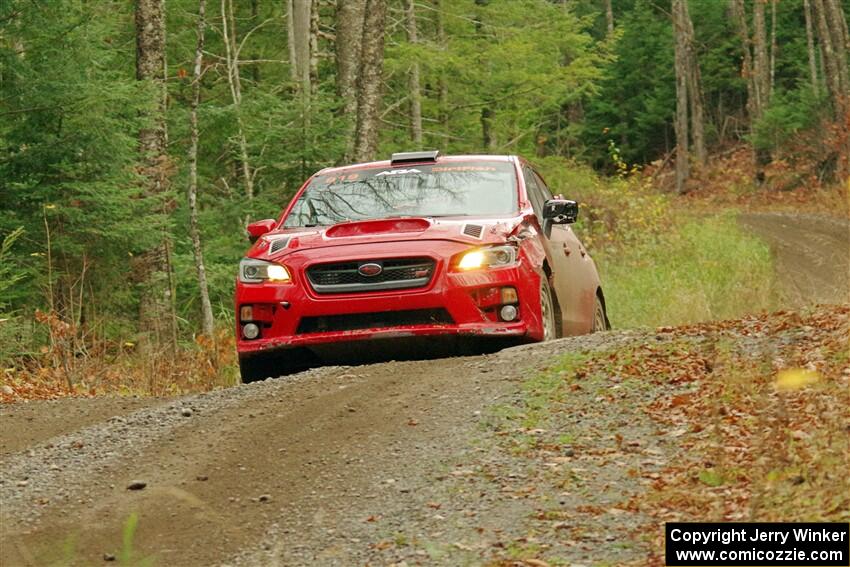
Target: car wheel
[261,366]
[255,368]
[600,319]
[547,311]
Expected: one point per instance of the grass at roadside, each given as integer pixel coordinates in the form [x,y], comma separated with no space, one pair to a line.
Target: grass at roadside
[696,270]
[662,264]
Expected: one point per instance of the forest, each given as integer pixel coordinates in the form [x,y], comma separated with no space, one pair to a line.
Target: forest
[137,139]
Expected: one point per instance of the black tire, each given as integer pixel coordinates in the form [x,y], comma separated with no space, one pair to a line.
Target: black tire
[260,366]
[548,311]
[255,368]
[600,317]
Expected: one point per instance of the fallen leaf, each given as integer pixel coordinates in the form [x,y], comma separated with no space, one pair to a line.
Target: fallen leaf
[795,379]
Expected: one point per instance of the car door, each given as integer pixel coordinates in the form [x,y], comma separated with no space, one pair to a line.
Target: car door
[573,274]
[555,245]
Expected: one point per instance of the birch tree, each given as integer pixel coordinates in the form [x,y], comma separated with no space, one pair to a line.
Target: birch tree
[192,197]
[232,50]
[680,53]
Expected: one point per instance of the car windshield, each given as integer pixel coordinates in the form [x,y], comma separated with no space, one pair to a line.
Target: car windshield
[478,188]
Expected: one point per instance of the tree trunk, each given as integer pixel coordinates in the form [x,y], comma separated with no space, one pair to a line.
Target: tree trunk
[156,307]
[681,68]
[235,84]
[832,32]
[313,45]
[349,33]
[694,88]
[415,93]
[842,39]
[299,18]
[609,16]
[290,41]
[840,42]
[443,84]
[194,230]
[369,81]
[762,76]
[772,47]
[487,129]
[255,13]
[810,45]
[762,66]
[833,73]
[747,71]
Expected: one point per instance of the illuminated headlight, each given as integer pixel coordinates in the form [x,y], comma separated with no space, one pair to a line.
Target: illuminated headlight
[258,271]
[487,258]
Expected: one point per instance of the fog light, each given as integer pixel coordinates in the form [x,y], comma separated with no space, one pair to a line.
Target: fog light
[246,313]
[250,331]
[508,312]
[509,295]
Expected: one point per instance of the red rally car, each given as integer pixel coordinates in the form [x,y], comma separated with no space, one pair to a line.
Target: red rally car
[420,245]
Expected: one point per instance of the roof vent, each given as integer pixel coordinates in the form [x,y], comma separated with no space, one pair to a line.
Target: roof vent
[414,157]
[278,244]
[473,230]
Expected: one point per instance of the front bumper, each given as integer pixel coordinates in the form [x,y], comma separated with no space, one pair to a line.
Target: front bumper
[471,301]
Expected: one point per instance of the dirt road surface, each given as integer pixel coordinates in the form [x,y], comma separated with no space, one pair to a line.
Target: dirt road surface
[337,465]
[812,255]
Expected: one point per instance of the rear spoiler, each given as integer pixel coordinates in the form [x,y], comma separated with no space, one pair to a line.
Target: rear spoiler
[414,157]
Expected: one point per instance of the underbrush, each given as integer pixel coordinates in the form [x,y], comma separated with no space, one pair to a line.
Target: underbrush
[67,367]
[50,354]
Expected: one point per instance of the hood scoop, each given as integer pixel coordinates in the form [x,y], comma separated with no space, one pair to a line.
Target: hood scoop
[377,226]
[473,230]
[278,244]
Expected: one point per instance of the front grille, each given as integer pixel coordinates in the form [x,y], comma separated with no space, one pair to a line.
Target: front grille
[384,319]
[395,274]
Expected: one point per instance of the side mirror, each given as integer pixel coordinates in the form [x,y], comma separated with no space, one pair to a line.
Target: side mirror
[560,211]
[259,228]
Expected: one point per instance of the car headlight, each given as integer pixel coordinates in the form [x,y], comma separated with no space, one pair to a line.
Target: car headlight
[258,271]
[492,257]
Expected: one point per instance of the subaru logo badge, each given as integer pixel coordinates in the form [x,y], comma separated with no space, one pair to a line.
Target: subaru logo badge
[370,270]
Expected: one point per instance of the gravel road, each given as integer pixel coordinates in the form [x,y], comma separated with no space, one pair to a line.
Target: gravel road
[331,466]
[812,255]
